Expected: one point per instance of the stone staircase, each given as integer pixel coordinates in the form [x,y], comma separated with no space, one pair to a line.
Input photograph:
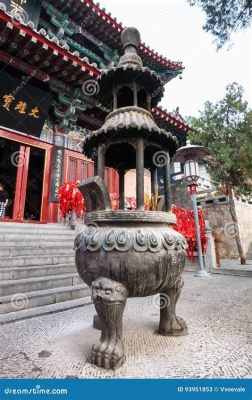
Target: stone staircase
[37,271]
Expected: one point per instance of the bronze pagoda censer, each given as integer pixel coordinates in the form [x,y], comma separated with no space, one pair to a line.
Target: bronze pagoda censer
[127,253]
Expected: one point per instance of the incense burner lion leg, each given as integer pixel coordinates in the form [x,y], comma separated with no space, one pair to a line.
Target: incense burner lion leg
[109,299]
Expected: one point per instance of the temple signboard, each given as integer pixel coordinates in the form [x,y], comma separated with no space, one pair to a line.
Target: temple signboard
[27,10]
[23,107]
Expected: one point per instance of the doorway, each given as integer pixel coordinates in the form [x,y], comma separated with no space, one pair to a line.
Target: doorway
[34,189]
[9,154]
[22,174]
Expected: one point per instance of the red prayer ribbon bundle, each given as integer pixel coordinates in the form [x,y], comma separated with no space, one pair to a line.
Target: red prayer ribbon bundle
[71,199]
[186,226]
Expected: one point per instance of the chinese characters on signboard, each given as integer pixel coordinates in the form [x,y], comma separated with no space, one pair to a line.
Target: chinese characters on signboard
[21,106]
[57,170]
[25,109]
[27,10]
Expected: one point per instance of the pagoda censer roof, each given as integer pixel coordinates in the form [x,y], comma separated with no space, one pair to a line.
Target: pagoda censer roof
[130,69]
[130,118]
[130,86]
[129,123]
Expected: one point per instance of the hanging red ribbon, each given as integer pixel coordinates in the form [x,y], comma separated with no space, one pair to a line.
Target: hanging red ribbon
[71,199]
[186,226]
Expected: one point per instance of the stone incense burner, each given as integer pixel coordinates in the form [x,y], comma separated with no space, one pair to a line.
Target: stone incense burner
[124,253]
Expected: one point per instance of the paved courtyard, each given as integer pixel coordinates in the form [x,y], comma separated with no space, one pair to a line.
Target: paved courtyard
[219,344]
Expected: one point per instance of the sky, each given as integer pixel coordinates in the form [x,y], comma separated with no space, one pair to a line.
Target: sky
[174,29]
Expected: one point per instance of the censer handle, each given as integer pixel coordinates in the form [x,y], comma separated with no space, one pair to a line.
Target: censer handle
[96,194]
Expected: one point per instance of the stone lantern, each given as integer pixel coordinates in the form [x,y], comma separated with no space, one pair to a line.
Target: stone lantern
[128,253]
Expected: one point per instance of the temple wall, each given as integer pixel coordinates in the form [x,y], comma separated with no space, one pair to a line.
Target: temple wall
[221,223]
[244,215]
[218,214]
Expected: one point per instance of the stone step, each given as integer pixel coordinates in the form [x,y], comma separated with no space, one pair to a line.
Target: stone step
[10,287]
[36,230]
[23,236]
[37,270]
[34,272]
[20,305]
[36,243]
[24,226]
[31,251]
[46,309]
[232,271]
[36,261]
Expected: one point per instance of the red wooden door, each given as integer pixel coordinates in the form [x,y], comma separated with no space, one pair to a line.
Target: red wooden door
[72,170]
[21,182]
[77,169]
[24,161]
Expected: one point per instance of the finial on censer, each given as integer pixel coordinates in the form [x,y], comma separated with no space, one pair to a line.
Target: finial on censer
[130,38]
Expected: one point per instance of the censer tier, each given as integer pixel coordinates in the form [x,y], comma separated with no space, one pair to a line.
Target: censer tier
[129,217]
[118,137]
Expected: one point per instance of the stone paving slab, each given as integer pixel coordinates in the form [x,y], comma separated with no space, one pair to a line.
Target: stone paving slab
[228,267]
[233,267]
[217,311]
[225,263]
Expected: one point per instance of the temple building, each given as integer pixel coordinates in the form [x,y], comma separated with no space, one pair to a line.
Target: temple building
[51,53]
